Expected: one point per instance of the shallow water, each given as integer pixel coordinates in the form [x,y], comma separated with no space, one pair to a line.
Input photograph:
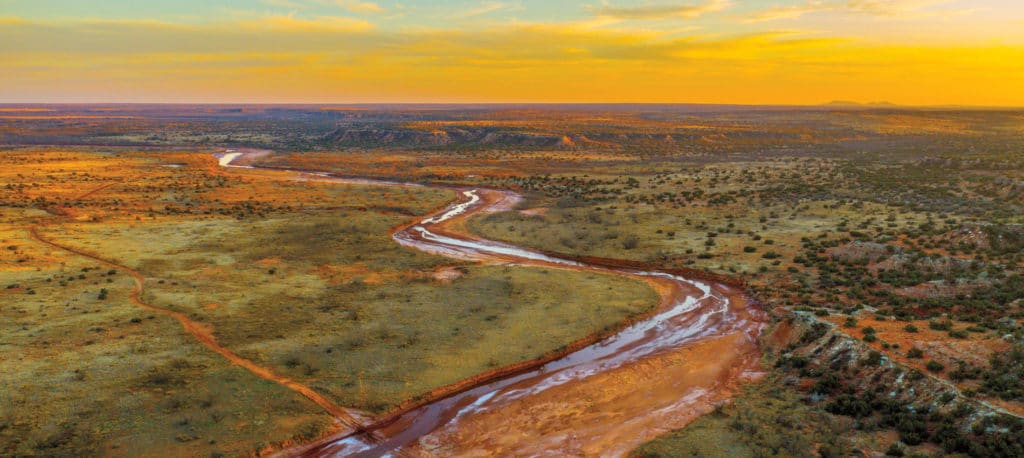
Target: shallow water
[691,313]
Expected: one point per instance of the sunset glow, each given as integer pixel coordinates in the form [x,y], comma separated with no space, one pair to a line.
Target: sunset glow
[914,52]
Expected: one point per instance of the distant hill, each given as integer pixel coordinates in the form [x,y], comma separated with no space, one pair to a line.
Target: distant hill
[851,104]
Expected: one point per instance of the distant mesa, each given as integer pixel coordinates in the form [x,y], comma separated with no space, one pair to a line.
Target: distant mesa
[852,104]
[461,136]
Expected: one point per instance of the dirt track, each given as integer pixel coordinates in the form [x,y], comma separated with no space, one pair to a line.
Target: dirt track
[204,334]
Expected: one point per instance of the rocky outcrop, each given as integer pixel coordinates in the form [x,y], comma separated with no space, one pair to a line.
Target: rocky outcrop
[811,343]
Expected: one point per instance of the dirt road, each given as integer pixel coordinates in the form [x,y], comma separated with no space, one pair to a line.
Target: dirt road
[204,334]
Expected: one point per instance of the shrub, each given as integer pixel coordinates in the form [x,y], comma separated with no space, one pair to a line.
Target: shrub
[934,366]
[874,358]
[849,405]
[913,430]
[915,353]
[310,429]
[964,372]
[630,242]
[1002,377]
[826,384]
[896,449]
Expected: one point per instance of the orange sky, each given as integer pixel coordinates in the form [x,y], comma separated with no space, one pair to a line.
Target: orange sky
[914,52]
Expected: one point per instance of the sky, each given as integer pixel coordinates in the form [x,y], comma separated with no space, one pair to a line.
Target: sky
[798,52]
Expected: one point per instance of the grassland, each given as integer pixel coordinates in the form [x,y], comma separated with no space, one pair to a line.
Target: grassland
[89,376]
[331,300]
[300,278]
[946,285]
[892,229]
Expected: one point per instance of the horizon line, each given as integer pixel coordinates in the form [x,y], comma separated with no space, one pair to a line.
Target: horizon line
[831,104]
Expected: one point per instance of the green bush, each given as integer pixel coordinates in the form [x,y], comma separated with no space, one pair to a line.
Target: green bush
[958,334]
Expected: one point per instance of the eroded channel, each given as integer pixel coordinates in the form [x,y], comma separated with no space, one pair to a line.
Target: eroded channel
[653,376]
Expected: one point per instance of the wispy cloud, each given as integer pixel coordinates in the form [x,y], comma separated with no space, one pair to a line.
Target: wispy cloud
[290,23]
[359,6]
[11,20]
[289,4]
[590,57]
[908,9]
[352,6]
[486,8]
[660,11]
[789,12]
[892,9]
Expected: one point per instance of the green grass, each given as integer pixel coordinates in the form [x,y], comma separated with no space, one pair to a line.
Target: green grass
[677,234]
[380,333]
[82,376]
[321,295]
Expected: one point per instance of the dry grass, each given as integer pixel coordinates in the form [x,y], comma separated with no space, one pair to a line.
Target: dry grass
[300,277]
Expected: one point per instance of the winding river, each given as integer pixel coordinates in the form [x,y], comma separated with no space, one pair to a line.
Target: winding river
[604,399]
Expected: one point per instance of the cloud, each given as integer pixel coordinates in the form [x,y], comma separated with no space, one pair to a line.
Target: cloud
[789,12]
[359,6]
[290,23]
[346,37]
[11,20]
[660,11]
[891,9]
[907,9]
[485,8]
[289,4]
[331,59]
[267,34]
[352,6]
